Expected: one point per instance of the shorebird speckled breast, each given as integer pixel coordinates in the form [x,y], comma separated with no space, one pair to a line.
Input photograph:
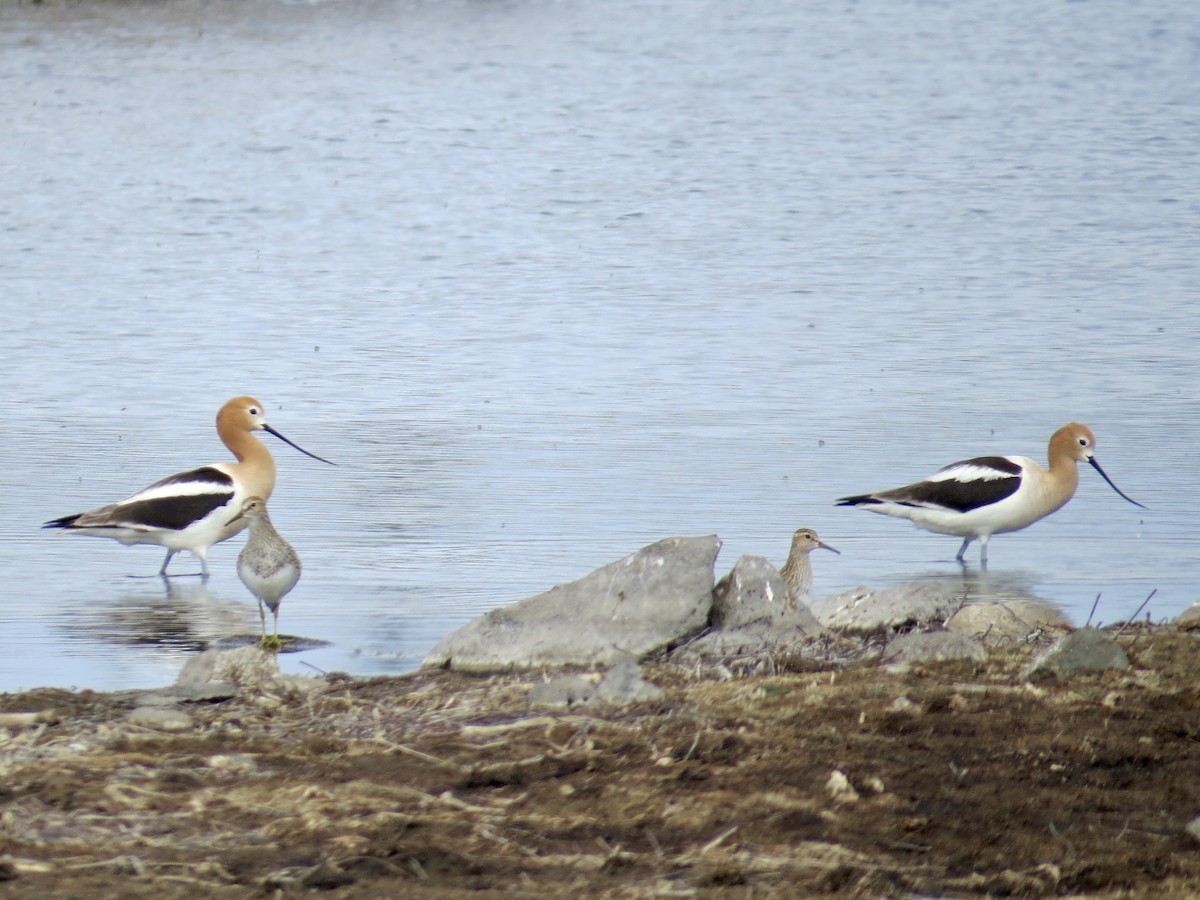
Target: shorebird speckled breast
[194,510]
[977,498]
[268,565]
[797,569]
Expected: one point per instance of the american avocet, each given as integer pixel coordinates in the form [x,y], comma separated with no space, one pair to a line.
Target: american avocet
[797,571]
[977,498]
[191,511]
[267,565]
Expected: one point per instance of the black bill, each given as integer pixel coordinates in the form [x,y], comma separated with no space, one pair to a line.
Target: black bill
[271,430]
[1096,466]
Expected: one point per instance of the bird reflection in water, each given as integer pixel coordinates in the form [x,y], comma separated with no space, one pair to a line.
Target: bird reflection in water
[178,614]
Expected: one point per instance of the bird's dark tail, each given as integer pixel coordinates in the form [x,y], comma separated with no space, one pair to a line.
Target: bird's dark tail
[856,501]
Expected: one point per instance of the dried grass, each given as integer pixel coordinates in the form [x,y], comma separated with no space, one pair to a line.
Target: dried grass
[450,783]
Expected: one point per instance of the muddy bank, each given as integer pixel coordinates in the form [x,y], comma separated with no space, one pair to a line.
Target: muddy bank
[944,779]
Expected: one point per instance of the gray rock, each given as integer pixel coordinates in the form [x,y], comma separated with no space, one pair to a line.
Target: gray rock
[621,685]
[864,610]
[755,614]
[566,690]
[932,646]
[1009,621]
[632,607]
[1085,650]
[243,667]
[758,639]
[755,592]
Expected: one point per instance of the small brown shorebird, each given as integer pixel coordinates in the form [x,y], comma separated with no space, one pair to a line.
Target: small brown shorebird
[267,565]
[797,571]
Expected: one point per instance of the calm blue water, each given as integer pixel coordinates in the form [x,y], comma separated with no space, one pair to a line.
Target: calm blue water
[553,281]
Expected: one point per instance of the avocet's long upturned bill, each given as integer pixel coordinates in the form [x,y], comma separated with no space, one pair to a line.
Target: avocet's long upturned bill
[977,498]
[193,510]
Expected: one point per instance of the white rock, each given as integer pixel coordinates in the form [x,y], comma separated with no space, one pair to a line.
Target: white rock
[840,788]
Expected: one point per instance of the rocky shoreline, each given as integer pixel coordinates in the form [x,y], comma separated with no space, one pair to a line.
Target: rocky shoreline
[645,731]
